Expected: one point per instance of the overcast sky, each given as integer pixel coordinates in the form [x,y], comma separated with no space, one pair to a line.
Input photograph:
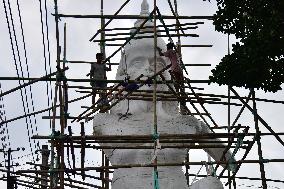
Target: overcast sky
[79,31]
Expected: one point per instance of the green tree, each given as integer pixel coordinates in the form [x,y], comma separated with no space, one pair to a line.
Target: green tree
[257,60]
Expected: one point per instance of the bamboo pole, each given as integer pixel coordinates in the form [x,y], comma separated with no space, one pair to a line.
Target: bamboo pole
[44,110]
[105,162]
[187,93]
[58,85]
[196,45]
[101,80]
[175,14]
[109,21]
[200,175]
[149,137]
[116,64]
[242,178]
[152,165]
[52,153]
[243,159]
[34,164]
[45,155]
[258,117]
[166,141]
[83,149]
[229,110]
[133,17]
[158,26]
[132,35]
[230,141]
[146,36]
[193,146]
[259,146]
[155,120]
[83,183]
[147,32]
[44,78]
[190,46]
[90,118]
[123,97]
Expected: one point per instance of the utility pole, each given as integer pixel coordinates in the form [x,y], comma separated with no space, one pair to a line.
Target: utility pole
[44,163]
[11,180]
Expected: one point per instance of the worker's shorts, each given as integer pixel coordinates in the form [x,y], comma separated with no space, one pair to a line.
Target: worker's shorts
[99,84]
[130,86]
[178,76]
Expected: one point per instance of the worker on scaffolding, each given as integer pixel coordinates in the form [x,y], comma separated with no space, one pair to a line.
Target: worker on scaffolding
[176,71]
[98,72]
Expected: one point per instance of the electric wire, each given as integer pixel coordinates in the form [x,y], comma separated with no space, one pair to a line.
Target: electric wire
[48,50]
[17,70]
[44,52]
[4,127]
[26,102]
[27,67]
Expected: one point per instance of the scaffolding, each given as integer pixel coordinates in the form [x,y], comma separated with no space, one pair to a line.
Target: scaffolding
[63,141]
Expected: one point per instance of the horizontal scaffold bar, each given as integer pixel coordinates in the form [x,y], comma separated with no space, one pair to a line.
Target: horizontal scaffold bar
[97,80]
[241,178]
[196,45]
[149,137]
[132,16]
[116,63]
[90,118]
[42,111]
[192,146]
[199,94]
[146,36]
[191,46]
[32,81]
[170,141]
[152,165]
[147,32]
[144,27]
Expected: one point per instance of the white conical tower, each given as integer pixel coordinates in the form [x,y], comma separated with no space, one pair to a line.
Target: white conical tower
[144,12]
[144,8]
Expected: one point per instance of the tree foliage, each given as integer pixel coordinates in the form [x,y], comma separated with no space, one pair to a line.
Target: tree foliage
[257,60]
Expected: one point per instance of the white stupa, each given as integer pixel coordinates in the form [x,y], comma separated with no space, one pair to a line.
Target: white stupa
[138,58]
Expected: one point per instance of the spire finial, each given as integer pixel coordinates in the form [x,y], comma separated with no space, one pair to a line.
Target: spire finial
[144,8]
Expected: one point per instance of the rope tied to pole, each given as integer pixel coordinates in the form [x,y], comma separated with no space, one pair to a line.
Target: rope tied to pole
[194,179]
[155,137]
[57,135]
[102,44]
[158,146]
[264,160]
[66,114]
[213,173]
[239,143]
[60,76]
[156,180]
[54,135]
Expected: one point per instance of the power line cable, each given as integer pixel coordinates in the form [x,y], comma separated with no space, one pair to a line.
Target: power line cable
[16,66]
[27,67]
[44,51]
[26,102]
[4,128]
[48,50]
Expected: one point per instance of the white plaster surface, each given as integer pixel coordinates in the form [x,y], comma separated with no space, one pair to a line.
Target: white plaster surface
[138,58]
[142,124]
[207,183]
